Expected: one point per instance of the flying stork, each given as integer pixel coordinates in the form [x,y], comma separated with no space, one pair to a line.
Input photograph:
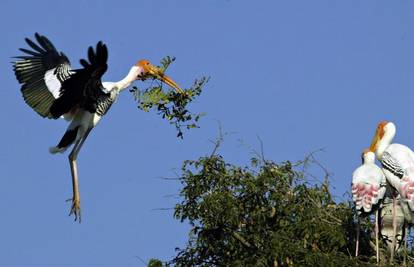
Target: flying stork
[54,90]
[398,165]
[368,189]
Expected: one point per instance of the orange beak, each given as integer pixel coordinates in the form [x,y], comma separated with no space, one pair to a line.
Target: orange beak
[379,133]
[154,71]
[374,143]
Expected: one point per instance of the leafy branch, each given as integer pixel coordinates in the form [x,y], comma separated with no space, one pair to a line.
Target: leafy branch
[171,105]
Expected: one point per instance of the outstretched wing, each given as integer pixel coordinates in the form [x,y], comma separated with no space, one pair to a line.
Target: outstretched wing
[84,87]
[41,73]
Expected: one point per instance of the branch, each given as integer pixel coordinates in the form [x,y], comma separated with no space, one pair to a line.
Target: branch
[338,221]
[241,239]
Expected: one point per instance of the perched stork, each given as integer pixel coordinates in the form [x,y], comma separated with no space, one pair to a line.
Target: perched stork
[398,166]
[368,189]
[368,183]
[397,161]
[54,90]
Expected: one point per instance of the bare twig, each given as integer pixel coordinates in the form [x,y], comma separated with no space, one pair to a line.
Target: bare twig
[170,178]
[141,260]
[218,141]
[162,209]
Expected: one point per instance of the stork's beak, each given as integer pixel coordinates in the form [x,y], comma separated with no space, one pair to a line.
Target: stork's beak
[164,78]
[379,133]
[374,142]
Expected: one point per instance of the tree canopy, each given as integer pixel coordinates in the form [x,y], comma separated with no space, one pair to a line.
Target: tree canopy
[266,214]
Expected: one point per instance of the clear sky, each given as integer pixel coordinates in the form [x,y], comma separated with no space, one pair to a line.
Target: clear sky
[300,75]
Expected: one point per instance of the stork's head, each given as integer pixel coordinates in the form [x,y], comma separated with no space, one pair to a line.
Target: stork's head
[368,156]
[384,134]
[146,68]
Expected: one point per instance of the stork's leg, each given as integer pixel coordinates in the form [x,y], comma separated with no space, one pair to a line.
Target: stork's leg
[75,209]
[357,239]
[376,235]
[405,245]
[394,228]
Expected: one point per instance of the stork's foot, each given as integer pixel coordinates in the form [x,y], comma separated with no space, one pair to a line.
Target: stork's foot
[75,210]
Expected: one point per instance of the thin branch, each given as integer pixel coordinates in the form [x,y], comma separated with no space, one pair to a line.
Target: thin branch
[170,178]
[261,148]
[338,221]
[162,209]
[141,260]
[218,141]
[241,239]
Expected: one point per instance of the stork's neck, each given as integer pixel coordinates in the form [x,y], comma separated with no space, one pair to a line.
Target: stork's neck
[389,133]
[368,158]
[132,75]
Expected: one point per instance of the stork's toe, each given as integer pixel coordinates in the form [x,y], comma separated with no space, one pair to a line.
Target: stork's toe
[75,209]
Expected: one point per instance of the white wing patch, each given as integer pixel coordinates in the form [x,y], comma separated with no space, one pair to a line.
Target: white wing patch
[53,83]
[108,86]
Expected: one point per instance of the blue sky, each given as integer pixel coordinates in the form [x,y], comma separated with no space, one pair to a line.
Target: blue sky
[300,75]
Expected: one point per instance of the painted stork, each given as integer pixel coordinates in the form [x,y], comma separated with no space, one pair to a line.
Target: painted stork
[398,165]
[54,90]
[397,161]
[368,183]
[368,189]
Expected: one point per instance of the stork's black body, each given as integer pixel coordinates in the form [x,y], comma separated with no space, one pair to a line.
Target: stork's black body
[84,87]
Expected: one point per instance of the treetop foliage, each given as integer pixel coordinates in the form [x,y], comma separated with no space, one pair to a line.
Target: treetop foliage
[270,214]
[265,214]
